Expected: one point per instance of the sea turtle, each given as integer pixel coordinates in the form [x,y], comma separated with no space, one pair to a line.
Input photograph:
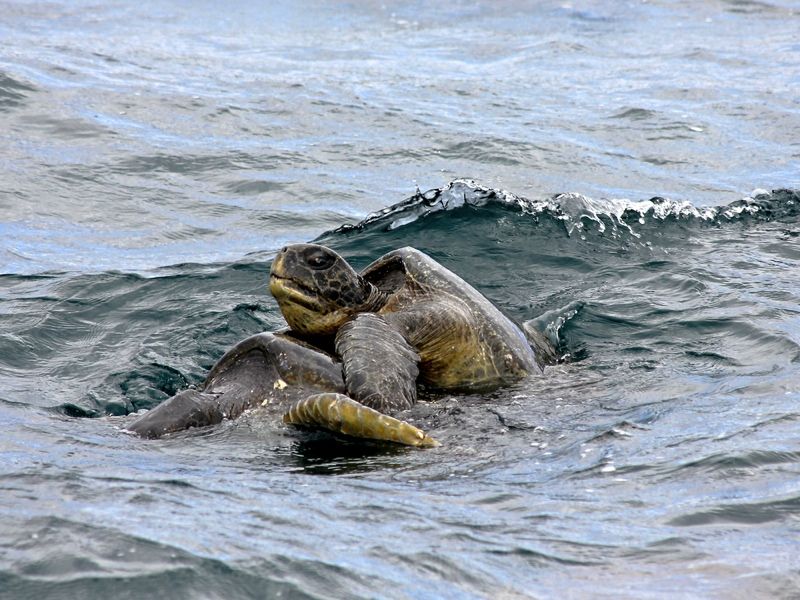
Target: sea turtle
[358,346]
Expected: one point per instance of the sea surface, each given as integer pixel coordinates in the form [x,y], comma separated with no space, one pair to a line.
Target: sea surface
[624,174]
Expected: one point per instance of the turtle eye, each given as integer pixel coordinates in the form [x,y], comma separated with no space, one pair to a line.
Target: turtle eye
[319,260]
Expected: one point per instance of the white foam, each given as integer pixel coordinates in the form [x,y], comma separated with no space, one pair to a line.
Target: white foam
[574,209]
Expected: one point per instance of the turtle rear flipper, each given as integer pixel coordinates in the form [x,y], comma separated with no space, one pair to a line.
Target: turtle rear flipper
[341,414]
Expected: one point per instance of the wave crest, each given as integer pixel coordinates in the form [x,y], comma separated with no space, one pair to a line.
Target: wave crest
[577,211]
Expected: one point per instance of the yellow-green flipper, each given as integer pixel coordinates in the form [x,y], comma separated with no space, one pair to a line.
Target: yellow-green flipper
[341,414]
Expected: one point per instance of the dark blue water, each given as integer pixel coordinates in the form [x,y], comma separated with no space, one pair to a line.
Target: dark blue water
[637,169]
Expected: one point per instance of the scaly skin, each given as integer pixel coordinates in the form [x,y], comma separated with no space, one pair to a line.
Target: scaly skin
[342,414]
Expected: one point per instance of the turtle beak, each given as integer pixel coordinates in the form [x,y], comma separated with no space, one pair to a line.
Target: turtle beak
[286,290]
[277,267]
[277,263]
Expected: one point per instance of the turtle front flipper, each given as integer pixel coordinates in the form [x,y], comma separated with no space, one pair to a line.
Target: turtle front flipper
[341,414]
[380,373]
[188,408]
[266,369]
[379,366]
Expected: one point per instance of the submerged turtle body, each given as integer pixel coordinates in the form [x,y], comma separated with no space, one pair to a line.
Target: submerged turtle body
[358,346]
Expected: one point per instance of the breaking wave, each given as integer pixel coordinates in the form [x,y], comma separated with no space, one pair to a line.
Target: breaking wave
[579,213]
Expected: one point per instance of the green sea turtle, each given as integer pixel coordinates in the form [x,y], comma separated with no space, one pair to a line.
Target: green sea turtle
[358,346]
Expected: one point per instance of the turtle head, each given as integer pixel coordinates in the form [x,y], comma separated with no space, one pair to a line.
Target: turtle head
[317,291]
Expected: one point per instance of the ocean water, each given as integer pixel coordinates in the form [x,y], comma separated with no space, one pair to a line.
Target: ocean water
[626,174]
